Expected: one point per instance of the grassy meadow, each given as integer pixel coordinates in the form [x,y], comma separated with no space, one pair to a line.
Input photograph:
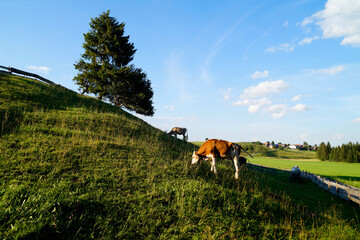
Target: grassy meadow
[290,154]
[73,167]
[348,173]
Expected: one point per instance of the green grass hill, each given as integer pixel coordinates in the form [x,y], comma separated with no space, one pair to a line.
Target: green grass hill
[73,167]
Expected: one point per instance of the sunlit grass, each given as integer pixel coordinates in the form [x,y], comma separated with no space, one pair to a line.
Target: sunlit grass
[347,173]
[72,167]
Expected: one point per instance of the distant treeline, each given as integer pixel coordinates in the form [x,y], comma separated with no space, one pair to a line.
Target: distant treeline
[254,147]
[346,153]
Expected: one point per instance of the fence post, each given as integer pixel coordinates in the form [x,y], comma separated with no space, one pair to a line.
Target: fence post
[337,189]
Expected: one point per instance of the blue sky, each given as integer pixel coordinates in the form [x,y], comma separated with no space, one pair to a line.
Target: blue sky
[283,71]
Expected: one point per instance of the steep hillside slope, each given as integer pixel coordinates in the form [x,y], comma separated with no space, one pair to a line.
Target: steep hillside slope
[72,167]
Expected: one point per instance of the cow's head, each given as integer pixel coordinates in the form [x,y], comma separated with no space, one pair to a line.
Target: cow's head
[195,158]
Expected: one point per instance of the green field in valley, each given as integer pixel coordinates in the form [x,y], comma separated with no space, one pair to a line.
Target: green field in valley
[348,173]
[289,154]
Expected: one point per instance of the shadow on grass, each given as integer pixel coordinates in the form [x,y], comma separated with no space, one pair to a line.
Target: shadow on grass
[72,220]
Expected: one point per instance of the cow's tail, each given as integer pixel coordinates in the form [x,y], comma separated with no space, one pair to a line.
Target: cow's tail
[246,151]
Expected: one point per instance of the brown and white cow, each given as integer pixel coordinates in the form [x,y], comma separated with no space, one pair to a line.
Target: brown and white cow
[214,149]
[181,131]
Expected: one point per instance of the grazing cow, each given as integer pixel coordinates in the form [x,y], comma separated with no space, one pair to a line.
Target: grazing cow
[222,149]
[181,131]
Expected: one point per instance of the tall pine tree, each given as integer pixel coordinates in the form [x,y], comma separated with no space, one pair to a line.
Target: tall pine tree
[321,152]
[105,70]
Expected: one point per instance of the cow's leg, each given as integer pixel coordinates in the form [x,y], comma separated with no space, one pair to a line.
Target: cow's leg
[236,165]
[235,157]
[213,165]
[212,162]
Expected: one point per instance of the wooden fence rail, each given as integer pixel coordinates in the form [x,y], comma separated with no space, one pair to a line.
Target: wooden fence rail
[12,71]
[341,190]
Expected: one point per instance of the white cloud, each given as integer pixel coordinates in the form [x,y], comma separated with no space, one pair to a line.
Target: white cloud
[332,70]
[256,98]
[339,19]
[297,98]
[280,114]
[357,120]
[337,136]
[307,21]
[265,88]
[170,107]
[278,111]
[258,74]
[308,40]
[285,47]
[39,68]
[226,93]
[300,107]
[286,24]
[329,71]
[254,108]
[277,108]
[254,104]
[303,137]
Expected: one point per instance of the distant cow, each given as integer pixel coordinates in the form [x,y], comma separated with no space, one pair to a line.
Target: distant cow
[221,149]
[181,131]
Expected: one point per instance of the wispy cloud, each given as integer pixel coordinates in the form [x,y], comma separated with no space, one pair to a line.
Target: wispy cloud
[258,74]
[308,40]
[339,19]
[300,107]
[286,24]
[297,97]
[205,71]
[177,78]
[39,68]
[285,47]
[337,136]
[357,120]
[226,93]
[303,137]
[329,71]
[280,110]
[170,107]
